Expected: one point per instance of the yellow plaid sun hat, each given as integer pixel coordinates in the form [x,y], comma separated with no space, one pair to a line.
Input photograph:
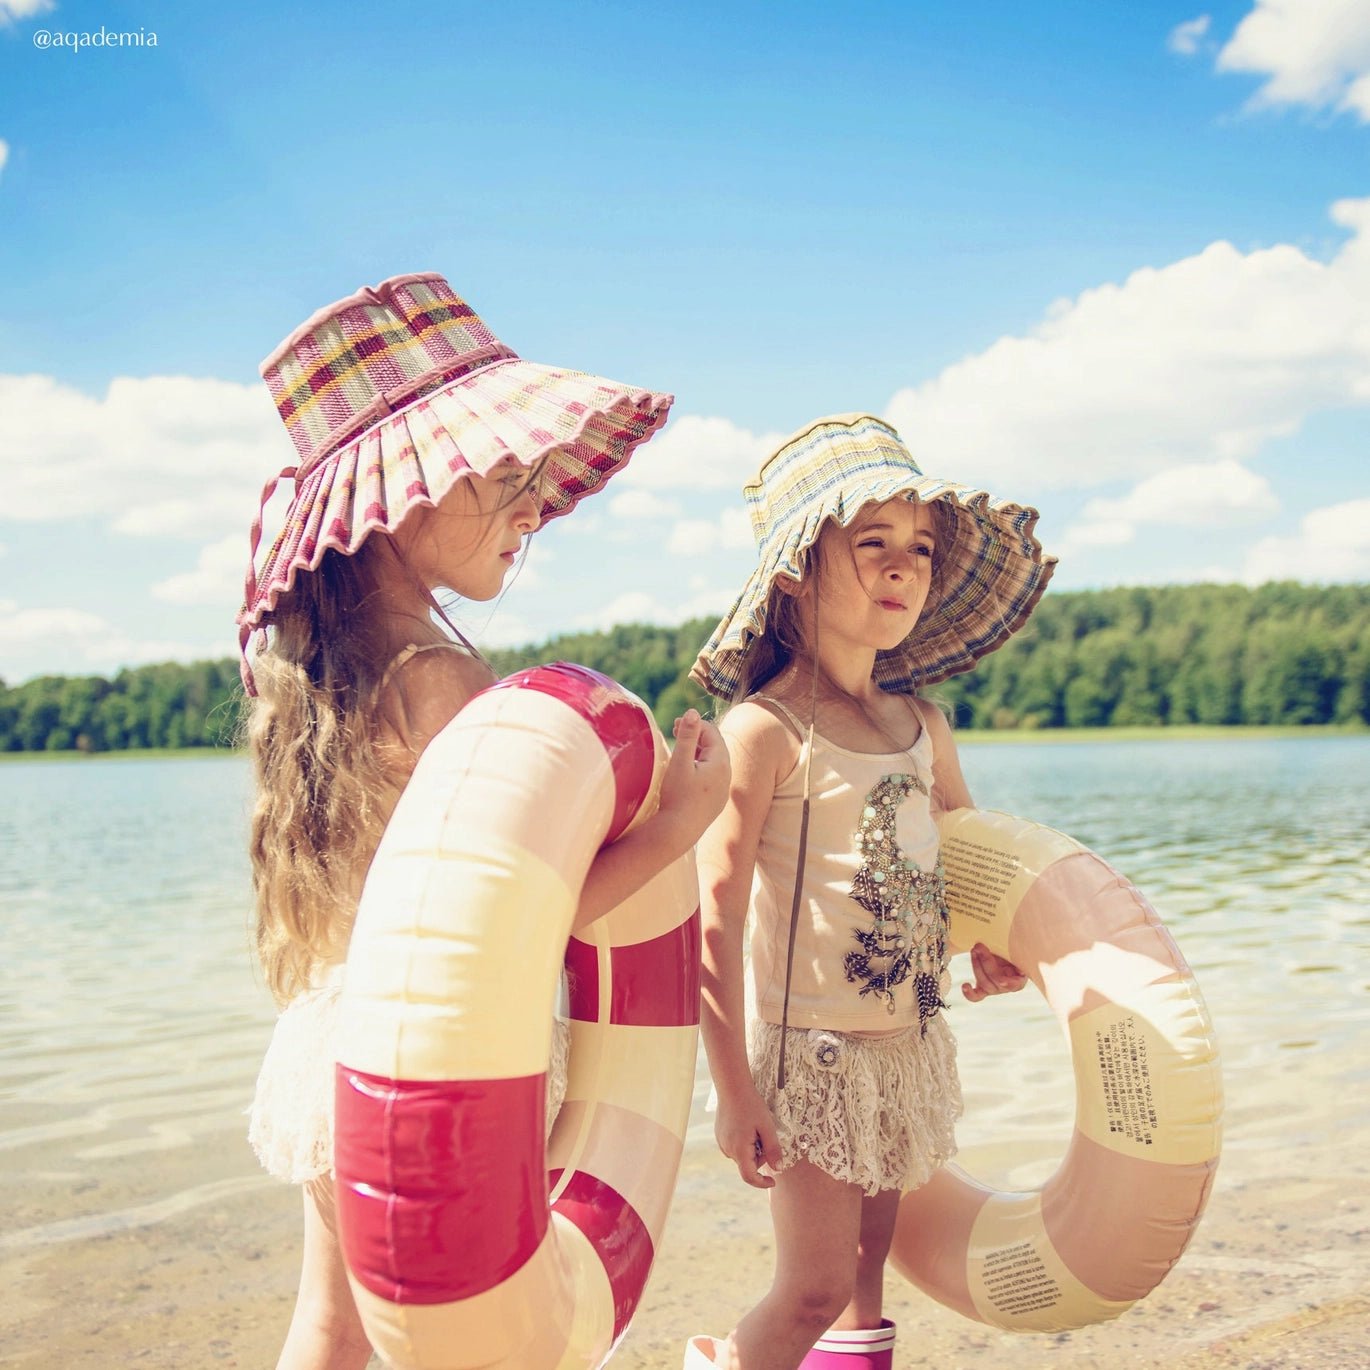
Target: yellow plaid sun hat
[990,581]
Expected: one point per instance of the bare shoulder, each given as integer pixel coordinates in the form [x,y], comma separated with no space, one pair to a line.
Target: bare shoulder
[938,729]
[429,690]
[760,741]
[762,751]
[949,789]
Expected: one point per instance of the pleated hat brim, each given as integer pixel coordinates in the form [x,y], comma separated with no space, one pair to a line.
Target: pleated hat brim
[989,583]
[509,413]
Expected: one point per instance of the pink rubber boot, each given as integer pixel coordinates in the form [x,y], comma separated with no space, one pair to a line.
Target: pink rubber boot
[869,1348]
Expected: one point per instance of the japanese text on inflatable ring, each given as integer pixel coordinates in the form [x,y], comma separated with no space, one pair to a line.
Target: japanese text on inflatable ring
[980,876]
[1125,1075]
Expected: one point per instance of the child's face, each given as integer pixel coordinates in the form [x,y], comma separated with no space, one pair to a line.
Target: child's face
[875,574]
[472,539]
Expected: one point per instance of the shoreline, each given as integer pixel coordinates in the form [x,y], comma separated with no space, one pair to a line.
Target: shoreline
[1184,732]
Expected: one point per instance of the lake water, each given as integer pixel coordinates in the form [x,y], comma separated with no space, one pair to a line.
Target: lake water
[132,1021]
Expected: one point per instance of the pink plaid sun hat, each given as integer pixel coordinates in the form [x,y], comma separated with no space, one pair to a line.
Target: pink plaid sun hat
[393,395]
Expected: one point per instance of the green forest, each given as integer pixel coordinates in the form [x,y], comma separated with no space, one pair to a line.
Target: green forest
[1220,655]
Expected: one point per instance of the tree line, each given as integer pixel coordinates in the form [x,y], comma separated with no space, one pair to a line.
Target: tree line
[1282,653]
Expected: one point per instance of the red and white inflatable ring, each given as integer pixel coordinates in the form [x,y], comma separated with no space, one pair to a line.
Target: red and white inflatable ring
[468,1242]
[1122,1206]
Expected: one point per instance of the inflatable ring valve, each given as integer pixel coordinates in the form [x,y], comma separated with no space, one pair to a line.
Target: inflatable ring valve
[1129,1193]
[468,1241]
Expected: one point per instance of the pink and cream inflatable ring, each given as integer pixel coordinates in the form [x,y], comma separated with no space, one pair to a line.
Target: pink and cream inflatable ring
[1119,1211]
[468,1242]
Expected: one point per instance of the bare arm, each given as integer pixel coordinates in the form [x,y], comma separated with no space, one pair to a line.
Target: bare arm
[758,744]
[949,788]
[693,791]
[433,687]
[993,974]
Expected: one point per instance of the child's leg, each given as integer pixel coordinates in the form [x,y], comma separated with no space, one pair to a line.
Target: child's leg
[817,1226]
[877,1231]
[325,1330]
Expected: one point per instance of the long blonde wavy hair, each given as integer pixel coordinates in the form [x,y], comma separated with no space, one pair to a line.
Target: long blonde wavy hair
[326,780]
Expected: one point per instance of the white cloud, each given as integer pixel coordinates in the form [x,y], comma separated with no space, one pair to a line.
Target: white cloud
[1185,38]
[217,579]
[492,627]
[1312,52]
[696,453]
[584,522]
[24,627]
[528,569]
[637,606]
[1212,496]
[633,606]
[4,153]
[161,455]
[1093,531]
[1332,544]
[1201,361]
[1191,497]
[699,537]
[64,641]
[641,504]
[11,11]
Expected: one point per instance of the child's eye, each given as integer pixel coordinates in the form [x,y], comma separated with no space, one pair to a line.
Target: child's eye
[922,549]
[871,542]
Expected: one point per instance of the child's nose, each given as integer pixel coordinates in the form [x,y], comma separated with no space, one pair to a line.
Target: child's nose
[527,515]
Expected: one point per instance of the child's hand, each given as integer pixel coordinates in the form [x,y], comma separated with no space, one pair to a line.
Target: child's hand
[745,1132]
[695,786]
[993,975]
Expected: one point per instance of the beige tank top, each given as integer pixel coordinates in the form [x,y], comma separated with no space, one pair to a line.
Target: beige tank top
[871,941]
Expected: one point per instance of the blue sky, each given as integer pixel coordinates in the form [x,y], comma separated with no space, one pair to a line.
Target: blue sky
[1109,258]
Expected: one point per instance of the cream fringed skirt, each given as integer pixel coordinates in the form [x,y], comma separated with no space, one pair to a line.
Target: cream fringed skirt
[291,1127]
[878,1112]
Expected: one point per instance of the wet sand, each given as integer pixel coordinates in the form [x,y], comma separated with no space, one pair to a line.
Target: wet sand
[1274,1280]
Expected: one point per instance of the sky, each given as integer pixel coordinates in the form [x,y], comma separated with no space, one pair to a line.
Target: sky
[1110,258]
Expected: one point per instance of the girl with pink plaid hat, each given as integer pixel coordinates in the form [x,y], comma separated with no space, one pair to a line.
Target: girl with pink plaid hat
[836,1075]
[428,453]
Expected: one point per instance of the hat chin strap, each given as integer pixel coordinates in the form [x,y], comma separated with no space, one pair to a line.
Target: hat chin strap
[799,860]
[250,582]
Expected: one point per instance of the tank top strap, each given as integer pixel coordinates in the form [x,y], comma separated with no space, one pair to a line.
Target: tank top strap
[407,654]
[800,729]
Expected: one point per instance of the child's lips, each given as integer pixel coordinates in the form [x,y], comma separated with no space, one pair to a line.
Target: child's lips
[893,605]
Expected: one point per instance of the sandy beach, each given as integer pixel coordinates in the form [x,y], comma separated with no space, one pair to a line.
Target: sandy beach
[1275,1278]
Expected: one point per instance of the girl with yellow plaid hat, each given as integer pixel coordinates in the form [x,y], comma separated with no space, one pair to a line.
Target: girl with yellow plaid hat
[429,452]
[836,1084]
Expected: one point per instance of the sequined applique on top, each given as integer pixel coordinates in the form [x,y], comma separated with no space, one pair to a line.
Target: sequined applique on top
[844,908]
[908,934]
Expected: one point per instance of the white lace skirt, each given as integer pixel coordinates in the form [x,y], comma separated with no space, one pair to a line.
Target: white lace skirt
[878,1112]
[291,1118]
